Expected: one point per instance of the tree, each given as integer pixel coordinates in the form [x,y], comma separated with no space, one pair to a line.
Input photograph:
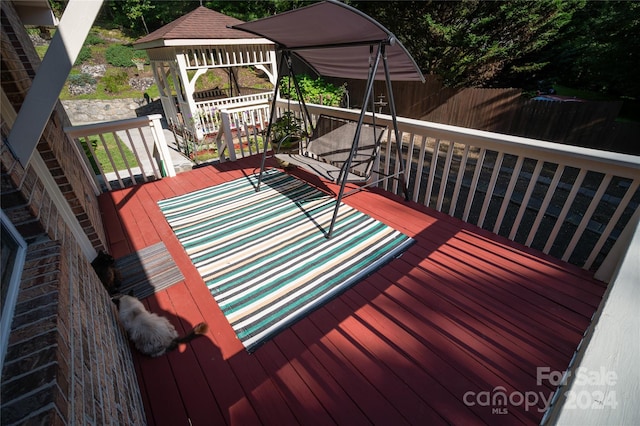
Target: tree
[599,50]
[470,43]
[140,17]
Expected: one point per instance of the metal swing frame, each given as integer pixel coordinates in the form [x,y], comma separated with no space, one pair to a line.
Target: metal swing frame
[346,166]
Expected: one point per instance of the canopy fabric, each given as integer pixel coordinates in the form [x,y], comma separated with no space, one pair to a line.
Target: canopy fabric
[334,39]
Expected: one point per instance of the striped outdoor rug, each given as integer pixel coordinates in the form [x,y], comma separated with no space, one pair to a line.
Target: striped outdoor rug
[264,255]
[148,270]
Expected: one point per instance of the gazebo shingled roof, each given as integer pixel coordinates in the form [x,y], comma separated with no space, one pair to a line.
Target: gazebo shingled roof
[201,23]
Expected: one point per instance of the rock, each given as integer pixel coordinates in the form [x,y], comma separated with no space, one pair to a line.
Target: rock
[94,70]
[141,83]
[81,90]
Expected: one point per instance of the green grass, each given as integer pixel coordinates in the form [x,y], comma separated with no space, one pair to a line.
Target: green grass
[102,156]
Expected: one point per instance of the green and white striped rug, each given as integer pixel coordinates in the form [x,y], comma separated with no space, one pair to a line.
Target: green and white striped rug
[264,255]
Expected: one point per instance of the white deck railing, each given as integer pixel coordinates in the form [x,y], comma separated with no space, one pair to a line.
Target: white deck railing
[570,202]
[143,137]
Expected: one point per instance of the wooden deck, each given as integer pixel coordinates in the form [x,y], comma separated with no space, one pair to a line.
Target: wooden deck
[434,337]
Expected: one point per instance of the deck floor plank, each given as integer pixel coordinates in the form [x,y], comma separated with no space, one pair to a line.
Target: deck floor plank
[462,310]
[325,387]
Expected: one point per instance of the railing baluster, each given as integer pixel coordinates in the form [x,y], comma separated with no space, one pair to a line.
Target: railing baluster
[119,143]
[135,154]
[525,199]
[565,210]
[545,204]
[587,216]
[490,189]
[459,178]
[474,184]
[615,217]
[113,164]
[432,172]
[507,195]
[156,171]
[416,186]
[445,176]
[409,158]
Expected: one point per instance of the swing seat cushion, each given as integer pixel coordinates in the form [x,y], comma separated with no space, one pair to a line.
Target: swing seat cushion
[329,147]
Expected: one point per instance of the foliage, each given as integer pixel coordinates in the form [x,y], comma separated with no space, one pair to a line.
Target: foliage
[470,43]
[141,17]
[81,79]
[286,129]
[120,55]
[115,81]
[314,90]
[84,55]
[93,38]
[599,50]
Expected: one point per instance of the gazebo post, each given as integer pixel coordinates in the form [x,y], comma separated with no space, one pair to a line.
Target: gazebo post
[189,90]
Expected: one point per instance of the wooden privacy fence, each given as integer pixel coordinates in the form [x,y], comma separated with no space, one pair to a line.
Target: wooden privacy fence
[588,124]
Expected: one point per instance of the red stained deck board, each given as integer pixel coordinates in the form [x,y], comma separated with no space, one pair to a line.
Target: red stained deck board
[196,395]
[423,374]
[210,363]
[524,315]
[472,242]
[430,345]
[325,387]
[330,347]
[420,298]
[298,395]
[462,310]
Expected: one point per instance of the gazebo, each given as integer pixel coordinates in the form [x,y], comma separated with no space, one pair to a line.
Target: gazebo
[187,48]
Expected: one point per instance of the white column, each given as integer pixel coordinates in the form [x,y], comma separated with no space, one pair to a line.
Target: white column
[63,51]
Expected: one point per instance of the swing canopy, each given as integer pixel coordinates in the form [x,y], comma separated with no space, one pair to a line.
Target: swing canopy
[334,39]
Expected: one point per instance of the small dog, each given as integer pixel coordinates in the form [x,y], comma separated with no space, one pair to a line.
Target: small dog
[151,334]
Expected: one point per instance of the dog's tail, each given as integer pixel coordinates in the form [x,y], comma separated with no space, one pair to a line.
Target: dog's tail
[198,330]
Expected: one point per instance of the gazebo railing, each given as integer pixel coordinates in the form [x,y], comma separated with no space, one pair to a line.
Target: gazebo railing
[207,115]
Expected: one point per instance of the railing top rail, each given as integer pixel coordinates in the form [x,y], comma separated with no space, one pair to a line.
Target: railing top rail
[110,126]
[247,106]
[623,165]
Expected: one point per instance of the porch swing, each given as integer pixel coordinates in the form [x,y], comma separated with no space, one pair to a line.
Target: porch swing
[336,40]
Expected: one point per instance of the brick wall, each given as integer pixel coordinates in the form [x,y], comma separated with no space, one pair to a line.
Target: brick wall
[68,360]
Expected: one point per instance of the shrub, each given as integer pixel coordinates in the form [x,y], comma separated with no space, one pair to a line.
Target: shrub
[84,55]
[81,79]
[120,55]
[93,39]
[315,91]
[116,81]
